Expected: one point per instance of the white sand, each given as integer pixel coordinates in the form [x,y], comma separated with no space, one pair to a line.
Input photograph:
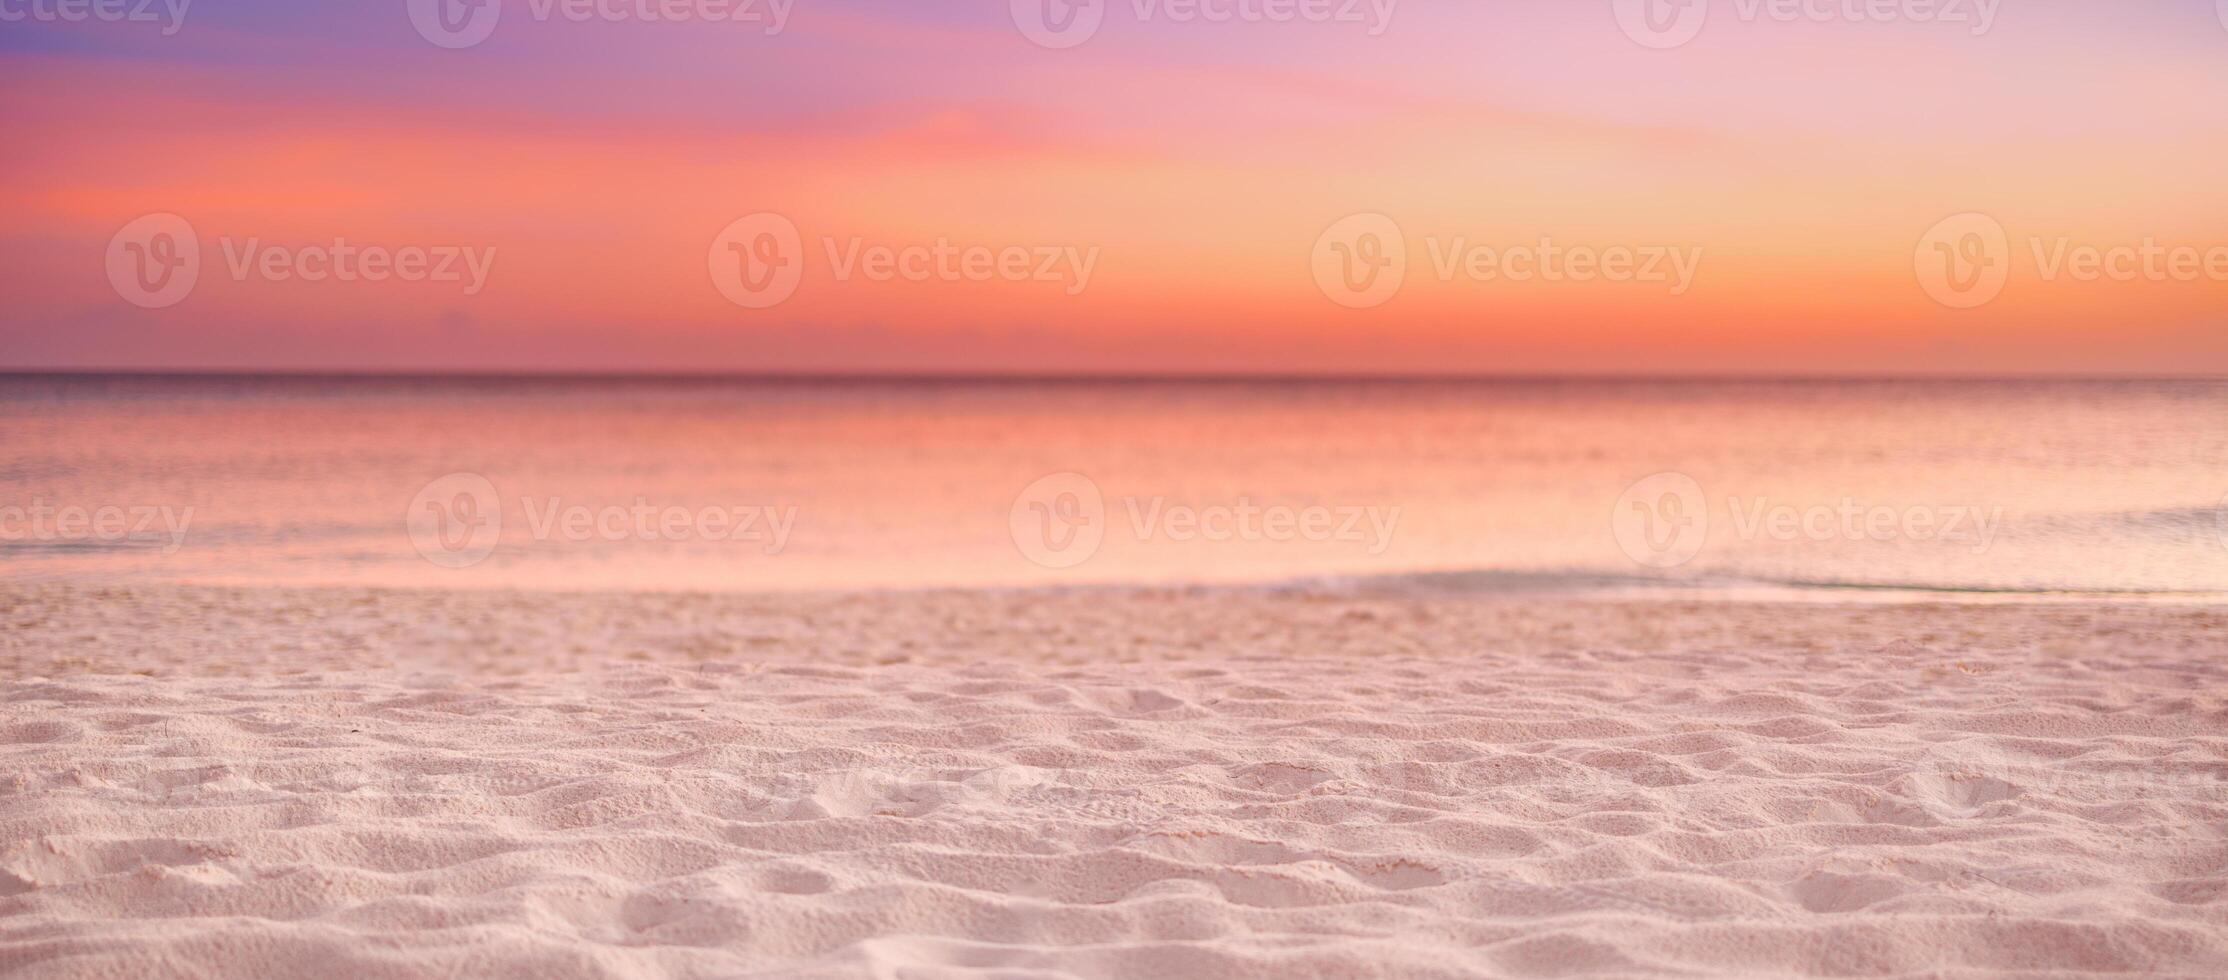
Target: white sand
[367,784]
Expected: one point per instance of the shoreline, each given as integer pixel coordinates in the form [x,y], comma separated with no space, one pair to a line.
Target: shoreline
[1474,584]
[69,626]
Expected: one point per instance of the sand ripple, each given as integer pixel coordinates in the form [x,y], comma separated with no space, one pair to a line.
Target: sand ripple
[1475,812]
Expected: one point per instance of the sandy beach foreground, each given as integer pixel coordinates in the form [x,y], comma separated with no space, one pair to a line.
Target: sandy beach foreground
[295,783]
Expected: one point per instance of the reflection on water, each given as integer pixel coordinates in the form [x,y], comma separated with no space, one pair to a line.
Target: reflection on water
[756,484]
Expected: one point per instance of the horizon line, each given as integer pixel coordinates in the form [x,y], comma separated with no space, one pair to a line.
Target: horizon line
[1078,377]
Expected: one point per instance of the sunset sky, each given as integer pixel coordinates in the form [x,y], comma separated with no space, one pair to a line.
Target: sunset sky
[1199,164]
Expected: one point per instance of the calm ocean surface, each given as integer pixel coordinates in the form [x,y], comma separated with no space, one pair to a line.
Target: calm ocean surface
[1836,488]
